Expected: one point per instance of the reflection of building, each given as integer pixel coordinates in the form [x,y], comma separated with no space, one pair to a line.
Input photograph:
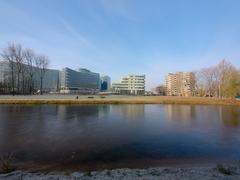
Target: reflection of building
[65,112]
[180,84]
[50,79]
[105,83]
[133,84]
[184,113]
[130,112]
[82,81]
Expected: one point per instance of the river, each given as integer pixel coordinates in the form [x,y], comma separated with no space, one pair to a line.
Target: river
[112,136]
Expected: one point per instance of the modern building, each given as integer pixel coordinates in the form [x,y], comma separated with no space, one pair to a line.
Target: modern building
[180,84]
[51,79]
[105,83]
[82,81]
[132,84]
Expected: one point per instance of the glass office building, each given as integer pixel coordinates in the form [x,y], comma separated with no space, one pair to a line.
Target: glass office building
[51,79]
[82,81]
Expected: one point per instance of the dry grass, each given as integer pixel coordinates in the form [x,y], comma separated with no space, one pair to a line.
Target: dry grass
[128,100]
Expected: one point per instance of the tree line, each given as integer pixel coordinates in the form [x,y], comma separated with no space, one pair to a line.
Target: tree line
[222,81]
[25,68]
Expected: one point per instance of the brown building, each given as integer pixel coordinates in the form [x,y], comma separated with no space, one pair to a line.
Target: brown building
[180,84]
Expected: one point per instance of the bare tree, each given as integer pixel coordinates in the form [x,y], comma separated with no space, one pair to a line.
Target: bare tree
[9,56]
[42,63]
[220,81]
[207,80]
[29,58]
[17,52]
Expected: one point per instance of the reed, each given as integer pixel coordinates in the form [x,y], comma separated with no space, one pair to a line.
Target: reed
[128,100]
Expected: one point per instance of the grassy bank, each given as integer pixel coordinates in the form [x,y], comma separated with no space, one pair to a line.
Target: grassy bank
[119,100]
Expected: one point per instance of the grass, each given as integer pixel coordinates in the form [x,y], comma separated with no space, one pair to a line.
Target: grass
[128,100]
[6,165]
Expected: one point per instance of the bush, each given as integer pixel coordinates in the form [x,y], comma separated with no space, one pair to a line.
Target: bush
[225,170]
[6,164]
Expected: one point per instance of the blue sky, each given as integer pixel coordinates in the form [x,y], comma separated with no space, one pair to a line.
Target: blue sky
[120,37]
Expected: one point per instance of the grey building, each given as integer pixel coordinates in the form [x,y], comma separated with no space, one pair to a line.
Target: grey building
[3,71]
[82,81]
[51,79]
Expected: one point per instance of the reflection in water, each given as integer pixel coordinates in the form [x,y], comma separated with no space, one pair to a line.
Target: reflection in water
[74,112]
[130,112]
[229,115]
[183,113]
[118,135]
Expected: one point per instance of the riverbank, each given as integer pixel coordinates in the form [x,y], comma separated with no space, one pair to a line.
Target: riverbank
[72,99]
[209,172]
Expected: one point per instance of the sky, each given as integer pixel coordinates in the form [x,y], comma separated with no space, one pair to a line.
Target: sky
[121,37]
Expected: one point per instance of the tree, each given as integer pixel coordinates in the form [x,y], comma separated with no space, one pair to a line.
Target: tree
[29,57]
[9,56]
[18,56]
[42,63]
[226,77]
[220,81]
[207,81]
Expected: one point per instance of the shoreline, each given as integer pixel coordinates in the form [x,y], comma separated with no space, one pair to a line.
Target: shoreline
[71,99]
[225,171]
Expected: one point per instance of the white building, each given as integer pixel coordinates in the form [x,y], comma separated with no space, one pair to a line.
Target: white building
[132,84]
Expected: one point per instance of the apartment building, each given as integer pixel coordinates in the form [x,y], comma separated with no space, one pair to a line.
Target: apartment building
[132,84]
[180,84]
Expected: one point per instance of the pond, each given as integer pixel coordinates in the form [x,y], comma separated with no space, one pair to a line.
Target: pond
[113,136]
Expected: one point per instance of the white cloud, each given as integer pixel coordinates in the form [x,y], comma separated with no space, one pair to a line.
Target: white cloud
[74,32]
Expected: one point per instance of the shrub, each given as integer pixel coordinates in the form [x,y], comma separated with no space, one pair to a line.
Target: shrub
[6,164]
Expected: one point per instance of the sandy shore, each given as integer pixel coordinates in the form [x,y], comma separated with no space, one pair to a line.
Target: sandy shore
[210,172]
[71,99]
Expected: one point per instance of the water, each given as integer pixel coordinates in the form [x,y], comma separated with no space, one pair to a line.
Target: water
[112,136]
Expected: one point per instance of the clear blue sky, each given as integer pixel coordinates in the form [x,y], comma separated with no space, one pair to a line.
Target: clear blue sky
[118,37]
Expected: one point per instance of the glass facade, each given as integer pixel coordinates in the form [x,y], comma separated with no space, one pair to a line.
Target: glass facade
[51,79]
[79,81]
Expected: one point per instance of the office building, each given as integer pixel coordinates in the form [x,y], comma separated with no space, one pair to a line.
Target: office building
[82,81]
[50,81]
[132,84]
[180,84]
[105,83]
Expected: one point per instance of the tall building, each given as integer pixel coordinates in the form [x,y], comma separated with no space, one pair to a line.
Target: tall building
[180,84]
[82,81]
[132,84]
[105,83]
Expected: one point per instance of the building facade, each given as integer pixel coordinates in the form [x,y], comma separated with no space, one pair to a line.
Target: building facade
[132,84]
[82,81]
[105,83]
[180,84]
[50,83]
